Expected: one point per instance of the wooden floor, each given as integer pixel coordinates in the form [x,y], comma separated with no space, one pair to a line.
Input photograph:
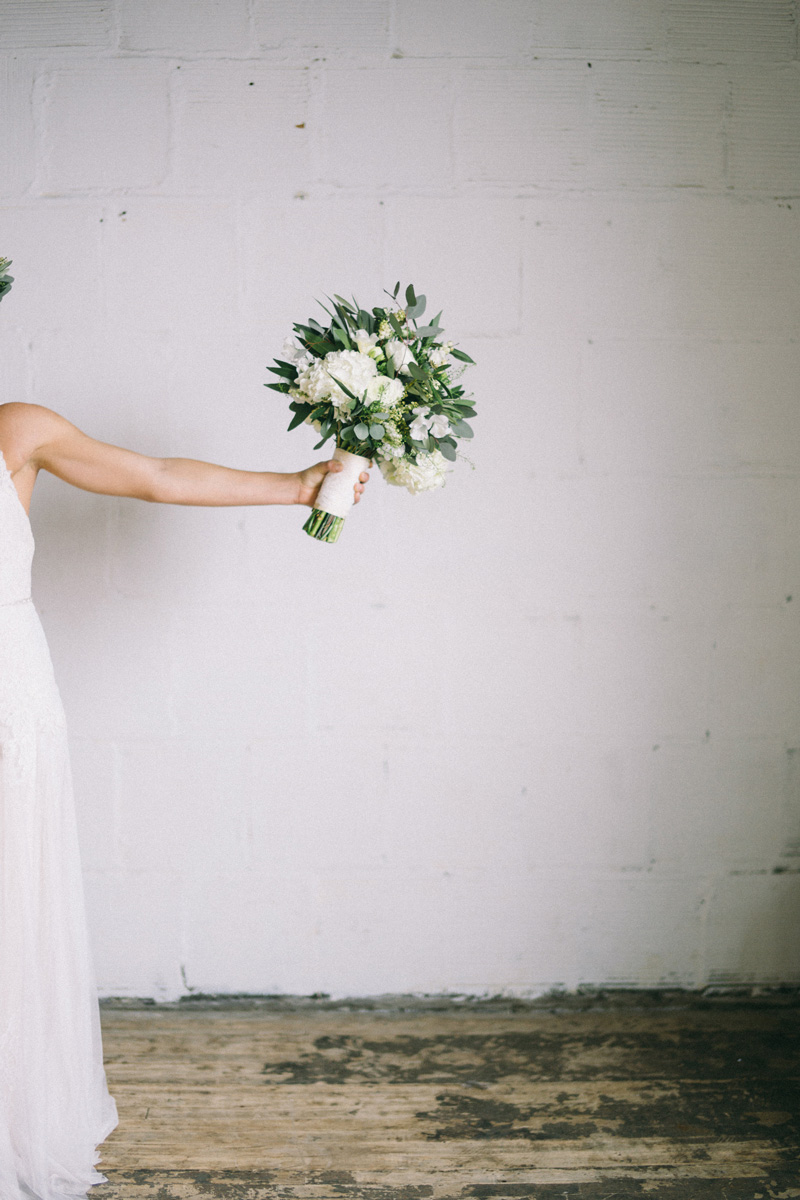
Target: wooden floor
[688,1101]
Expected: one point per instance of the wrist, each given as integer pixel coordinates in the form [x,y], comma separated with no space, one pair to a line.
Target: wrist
[292,490]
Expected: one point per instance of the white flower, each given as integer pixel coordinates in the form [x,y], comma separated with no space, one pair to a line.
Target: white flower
[387,451]
[320,380]
[391,444]
[365,341]
[439,426]
[427,472]
[419,428]
[438,356]
[400,354]
[292,353]
[314,381]
[425,422]
[384,392]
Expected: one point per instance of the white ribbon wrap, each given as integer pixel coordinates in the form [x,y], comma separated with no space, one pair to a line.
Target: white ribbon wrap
[336,493]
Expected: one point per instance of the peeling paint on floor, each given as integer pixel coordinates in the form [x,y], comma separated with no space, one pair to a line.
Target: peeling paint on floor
[686,1103]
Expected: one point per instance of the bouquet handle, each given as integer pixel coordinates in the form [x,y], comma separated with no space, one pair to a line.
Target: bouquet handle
[335,497]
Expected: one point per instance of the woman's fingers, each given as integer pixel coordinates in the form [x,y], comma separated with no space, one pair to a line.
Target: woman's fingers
[358,488]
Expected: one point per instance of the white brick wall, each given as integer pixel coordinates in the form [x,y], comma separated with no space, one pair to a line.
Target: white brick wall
[570,754]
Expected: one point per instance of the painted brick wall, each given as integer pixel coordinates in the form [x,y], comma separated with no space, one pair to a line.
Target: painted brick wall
[539,729]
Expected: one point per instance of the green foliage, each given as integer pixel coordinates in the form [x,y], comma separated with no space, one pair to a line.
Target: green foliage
[5,279]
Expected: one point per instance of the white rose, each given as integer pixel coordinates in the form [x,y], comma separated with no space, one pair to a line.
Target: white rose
[385,392]
[365,341]
[400,354]
[427,472]
[438,356]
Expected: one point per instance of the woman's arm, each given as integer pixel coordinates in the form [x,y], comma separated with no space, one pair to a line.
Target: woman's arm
[41,439]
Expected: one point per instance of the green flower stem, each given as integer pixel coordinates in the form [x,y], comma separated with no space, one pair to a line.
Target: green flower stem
[323,526]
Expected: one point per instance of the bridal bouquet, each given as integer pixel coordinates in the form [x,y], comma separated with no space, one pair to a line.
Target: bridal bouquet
[384,386]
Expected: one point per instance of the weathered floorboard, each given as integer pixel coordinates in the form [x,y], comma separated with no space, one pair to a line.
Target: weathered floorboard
[685,1104]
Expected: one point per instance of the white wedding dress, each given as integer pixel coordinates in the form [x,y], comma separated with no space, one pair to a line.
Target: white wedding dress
[54,1103]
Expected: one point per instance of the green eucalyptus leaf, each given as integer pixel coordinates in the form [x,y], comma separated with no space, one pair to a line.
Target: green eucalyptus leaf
[448,450]
[361,431]
[376,432]
[417,372]
[462,356]
[396,289]
[462,429]
[411,299]
[395,324]
[305,332]
[320,346]
[297,419]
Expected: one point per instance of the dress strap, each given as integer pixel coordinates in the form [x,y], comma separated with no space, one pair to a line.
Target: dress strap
[5,474]
[7,483]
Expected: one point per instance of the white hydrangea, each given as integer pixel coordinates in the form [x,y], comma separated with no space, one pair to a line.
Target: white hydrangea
[354,370]
[384,392]
[427,472]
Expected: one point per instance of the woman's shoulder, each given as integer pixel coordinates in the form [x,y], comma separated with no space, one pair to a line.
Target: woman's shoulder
[23,428]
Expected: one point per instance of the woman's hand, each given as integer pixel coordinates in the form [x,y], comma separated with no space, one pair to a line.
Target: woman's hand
[310,481]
